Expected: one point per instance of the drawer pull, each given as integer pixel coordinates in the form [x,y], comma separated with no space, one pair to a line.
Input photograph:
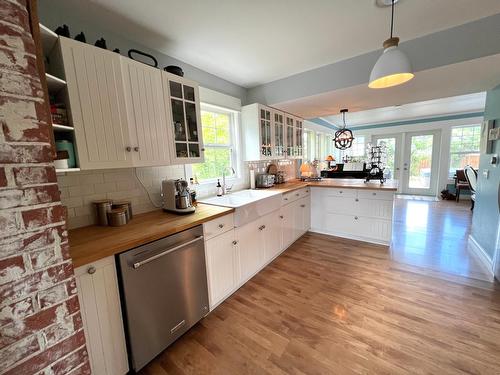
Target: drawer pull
[262,227]
[340,192]
[298,195]
[221,226]
[374,193]
[286,199]
[91,270]
[235,242]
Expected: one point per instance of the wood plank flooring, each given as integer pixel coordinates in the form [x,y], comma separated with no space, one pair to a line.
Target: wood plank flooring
[334,306]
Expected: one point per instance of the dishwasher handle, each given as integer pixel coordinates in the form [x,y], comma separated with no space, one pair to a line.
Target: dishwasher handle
[136,265]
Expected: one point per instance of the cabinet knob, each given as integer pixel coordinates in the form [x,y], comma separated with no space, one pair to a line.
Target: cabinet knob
[298,195]
[357,200]
[136,148]
[221,226]
[235,242]
[91,270]
[302,205]
[285,199]
[262,227]
[356,218]
[203,149]
[340,192]
[128,148]
[374,193]
[281,216]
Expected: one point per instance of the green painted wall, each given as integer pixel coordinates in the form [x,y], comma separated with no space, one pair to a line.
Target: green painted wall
[485,220]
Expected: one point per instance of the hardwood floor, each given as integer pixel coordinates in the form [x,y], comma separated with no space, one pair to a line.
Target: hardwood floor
[434,235]
[334,306]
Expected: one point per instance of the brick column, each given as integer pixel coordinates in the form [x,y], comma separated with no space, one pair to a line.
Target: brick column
[40,324]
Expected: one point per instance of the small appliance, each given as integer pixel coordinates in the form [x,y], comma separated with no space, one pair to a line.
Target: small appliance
[264,180]
[176,196]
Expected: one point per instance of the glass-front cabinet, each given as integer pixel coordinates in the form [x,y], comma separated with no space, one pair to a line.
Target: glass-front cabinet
[185,119]
[265,133]
[269,133]
[299,130]
[279,137]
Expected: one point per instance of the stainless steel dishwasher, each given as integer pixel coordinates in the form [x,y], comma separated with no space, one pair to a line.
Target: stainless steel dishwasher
[164,291]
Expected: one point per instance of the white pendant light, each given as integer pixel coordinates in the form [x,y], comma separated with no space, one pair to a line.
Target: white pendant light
[392,67]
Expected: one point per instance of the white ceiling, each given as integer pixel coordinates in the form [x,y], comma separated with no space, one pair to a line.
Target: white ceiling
[431,108]
[255,42]
[463,78]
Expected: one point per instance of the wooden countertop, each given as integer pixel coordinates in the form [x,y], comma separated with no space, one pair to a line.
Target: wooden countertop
[345,183]
[89,244]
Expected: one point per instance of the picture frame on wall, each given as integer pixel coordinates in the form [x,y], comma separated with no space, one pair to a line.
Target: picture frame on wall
[486,146]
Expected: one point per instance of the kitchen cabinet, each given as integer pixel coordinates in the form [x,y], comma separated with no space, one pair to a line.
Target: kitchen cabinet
[102,317]
[298,151]
[272,238]
[287,213]
[270,133]
[96,105]
[184,119]
[222,266]
[360,214]
[146,113]
[251,249]
[302,216]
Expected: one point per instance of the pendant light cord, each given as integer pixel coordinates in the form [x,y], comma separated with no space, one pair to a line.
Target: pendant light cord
[392,18]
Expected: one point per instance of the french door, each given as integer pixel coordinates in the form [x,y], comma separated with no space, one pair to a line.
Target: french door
[421,162]
[413,159]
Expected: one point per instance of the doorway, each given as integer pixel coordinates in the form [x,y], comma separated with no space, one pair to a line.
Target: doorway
[413,159]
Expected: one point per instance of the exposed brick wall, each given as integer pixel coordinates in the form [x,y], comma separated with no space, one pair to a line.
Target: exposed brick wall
[40,323]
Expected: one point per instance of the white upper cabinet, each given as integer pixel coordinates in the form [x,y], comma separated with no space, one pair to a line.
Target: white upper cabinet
[184,119]
[97,105]
[299,140]
[147,114]
[270,133]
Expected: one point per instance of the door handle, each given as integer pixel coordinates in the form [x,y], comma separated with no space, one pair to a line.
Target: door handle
[136,265]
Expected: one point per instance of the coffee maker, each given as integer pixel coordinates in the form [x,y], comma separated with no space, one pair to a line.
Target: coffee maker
[176,197]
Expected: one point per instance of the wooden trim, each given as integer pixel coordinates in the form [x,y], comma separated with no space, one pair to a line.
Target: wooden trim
[481,256]
[32,7]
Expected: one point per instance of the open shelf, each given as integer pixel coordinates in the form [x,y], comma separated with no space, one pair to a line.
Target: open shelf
[49,39]
[54,84]
[67,170]
[63,128]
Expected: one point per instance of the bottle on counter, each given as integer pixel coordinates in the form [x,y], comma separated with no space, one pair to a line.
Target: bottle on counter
[219,189]
[192,189]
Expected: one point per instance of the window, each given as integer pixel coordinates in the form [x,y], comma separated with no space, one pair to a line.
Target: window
[464,147]
[357,150]
[218,129]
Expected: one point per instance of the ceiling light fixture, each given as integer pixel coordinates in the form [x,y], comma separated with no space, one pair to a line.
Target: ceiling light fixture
[393,66]
[343,137]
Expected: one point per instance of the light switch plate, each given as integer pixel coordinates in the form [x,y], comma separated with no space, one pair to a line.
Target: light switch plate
[494,159]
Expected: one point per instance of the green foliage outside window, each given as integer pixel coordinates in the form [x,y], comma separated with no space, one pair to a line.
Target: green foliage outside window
[216,129]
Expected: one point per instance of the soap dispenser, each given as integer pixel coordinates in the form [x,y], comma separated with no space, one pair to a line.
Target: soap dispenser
[219,189]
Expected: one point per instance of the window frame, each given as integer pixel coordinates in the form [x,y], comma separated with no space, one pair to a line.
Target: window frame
[234,145]
[451,153]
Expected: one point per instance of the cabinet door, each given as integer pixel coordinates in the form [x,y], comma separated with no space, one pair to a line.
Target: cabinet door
[97,105]
[265,119]
[298,219]
[272,235]
[102,317]
[251,249]
[290,135]
[287,225]
[146,113]
[222,266]
[278,131]
[305,204]
[184,118]
[298,138]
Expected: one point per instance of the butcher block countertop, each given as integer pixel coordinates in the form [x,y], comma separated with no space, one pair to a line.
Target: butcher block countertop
[344,183]
[89,244]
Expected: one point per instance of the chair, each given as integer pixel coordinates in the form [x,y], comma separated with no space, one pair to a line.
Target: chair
[460,183]
[471,176]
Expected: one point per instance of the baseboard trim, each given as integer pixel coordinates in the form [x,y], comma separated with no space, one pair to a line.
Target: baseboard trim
[482,256]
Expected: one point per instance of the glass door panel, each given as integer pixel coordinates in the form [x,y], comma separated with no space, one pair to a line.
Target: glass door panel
[178,118]
[278,135]
[265,132]
[421,162]
[192,123]
[393,144]
[289,136]
[298,138]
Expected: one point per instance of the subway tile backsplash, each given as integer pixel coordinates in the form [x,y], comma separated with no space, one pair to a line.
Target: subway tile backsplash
[79,189]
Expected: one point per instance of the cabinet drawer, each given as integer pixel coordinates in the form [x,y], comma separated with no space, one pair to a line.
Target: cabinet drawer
[339,192]
[218,226]
[376,194]
[294,195]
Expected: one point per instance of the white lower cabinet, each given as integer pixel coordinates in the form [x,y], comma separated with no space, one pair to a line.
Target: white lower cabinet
[273,244]
[251,249]
[222,266]
[102,317]
[359,214]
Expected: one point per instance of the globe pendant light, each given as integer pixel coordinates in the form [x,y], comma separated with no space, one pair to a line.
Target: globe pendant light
[343,137]
[393,67]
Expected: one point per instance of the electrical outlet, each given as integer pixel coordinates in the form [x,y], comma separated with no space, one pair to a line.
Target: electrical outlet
[494,159]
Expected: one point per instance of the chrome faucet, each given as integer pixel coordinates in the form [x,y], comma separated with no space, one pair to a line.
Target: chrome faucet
[226,189]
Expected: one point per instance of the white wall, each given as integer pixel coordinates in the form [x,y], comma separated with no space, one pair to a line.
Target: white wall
[444,149]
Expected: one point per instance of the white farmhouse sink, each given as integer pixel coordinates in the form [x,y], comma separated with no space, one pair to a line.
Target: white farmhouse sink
[249,204]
